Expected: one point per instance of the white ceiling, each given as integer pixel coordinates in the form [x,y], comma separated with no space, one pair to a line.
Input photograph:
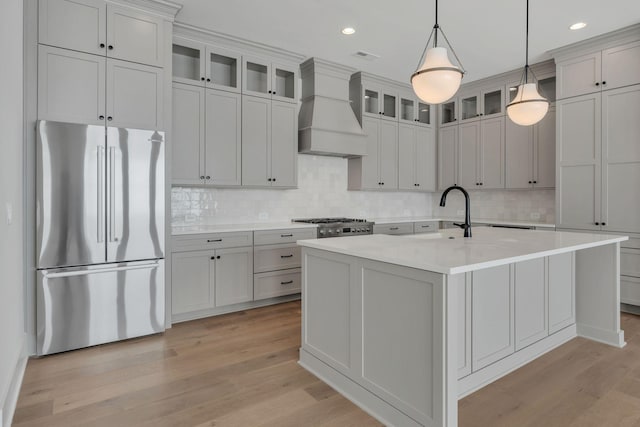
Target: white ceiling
[488,36]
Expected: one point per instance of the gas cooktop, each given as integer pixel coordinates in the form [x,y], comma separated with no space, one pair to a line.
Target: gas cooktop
[338,227]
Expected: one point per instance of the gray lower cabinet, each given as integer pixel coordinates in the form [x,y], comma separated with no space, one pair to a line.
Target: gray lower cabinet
[206,136]
[233,276]
[395,228]
[269,143]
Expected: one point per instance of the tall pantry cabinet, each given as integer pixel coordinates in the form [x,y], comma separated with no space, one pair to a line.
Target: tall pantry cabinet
[598,148]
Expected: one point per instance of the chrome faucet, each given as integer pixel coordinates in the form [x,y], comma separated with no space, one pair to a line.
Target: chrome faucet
[467,204]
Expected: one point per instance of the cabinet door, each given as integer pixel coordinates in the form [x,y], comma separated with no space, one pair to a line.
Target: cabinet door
[223,139]
[371,162]
[621,159]
[256,133]
[222,69]
[424,114]
[71,86]
[620,66]
[407,108]
[447,157]
[425,159]
[464,327]
[134,96]
[492,102]
[389,154]
[561,291]
[518,153]
[492,153]
[256,80]
[234,276]
[389,105]
[470,108]
[372,100]
[407,158]
[188,134]
[284,144]
[192,281]
[188,59]
[284,80]
[492,314]
[578,155]
[579,76]
[544,151]
[531,302]
[134,36]
[468,155]
[73,24]
[449,113]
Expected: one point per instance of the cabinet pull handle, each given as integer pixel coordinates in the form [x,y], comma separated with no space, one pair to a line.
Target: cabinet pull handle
[286,235]
[213,240]
[604,223]
[604,83]
[393,228]
[597,223]
[269,179]
[201,176]
[597,83]
[218,257]
[202,78]
[286,256]
[101,45]
[530,182]
[273,179]
[208,80]
[100,117]
[287,283]
[213,257]
[110,47]
[535,182]
[208,177]
[109,118]
[425,226]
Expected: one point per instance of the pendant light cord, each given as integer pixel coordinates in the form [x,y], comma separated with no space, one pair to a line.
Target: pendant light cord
[526,59]
[436,26]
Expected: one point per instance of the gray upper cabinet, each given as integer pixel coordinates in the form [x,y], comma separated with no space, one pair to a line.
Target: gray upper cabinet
[416,158]
[601,70]
[379,168]
[73,24]
[269,143]
[267,79]
[205,65]
[414,111]
[480,103]
[95,27]
[206,136]
[481,154]
[82,88]
[447,157]
[531,153]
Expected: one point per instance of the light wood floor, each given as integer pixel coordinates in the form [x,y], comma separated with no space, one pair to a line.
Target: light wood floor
[240,370]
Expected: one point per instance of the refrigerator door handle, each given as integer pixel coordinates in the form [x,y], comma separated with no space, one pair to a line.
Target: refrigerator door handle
[84,272]
[101,194]
[112,194]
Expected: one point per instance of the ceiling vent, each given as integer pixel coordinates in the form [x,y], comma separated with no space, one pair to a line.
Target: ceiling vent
[366,55]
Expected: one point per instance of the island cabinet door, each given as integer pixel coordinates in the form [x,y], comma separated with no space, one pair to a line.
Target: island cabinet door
[531,302]
[562,311]
[464,326]
[492,314]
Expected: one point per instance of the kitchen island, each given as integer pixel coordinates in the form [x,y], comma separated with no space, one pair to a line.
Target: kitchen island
[404,326]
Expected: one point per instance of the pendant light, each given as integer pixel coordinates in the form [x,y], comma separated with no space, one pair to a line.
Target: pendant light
[528,107]
[437,80]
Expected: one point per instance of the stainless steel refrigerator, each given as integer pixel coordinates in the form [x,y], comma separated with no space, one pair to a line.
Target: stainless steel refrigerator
[100,235]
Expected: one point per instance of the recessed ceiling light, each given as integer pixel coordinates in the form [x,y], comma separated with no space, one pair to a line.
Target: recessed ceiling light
[577,26]
[348,30]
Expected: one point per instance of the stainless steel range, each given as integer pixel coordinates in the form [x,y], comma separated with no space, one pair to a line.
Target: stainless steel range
[337,227]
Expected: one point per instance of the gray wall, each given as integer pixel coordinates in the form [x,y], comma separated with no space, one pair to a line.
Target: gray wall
[11,195]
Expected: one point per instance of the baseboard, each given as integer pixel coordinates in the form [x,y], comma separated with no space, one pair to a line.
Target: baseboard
[8,407]
[615,339]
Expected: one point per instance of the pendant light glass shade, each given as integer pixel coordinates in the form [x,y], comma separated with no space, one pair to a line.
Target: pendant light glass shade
[437,80]
[528,107]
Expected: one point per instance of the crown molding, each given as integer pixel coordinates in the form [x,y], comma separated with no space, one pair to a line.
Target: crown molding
[603,41]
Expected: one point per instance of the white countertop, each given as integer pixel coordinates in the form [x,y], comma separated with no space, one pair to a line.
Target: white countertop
[227,228]
[382,221]
[489,247]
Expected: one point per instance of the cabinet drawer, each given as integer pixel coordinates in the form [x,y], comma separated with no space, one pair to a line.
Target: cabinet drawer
[276,257]
[275,284]
[270,237]
[632,243]
[425,226]
[630,290]
[399,228]
[211,241]
[630,262]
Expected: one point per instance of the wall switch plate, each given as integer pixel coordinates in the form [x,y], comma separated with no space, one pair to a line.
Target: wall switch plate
[535,215]
[460,212]
[263,216]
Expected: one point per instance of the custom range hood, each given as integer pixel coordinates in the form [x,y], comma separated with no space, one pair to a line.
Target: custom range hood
[327,125]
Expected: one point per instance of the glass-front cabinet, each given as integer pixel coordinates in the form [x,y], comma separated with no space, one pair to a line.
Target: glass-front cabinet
[269,79]
[379,103]
[481,103]
[414,111]
[198,64]
[448,112]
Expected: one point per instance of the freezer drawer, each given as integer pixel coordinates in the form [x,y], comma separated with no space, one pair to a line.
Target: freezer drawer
[85,306]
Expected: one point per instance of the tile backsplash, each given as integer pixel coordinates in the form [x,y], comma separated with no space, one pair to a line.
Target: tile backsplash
[322,191]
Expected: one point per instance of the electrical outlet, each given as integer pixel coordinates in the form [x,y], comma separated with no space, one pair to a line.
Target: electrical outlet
[535,215]
[460,212]
[9,213]
[263,216]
